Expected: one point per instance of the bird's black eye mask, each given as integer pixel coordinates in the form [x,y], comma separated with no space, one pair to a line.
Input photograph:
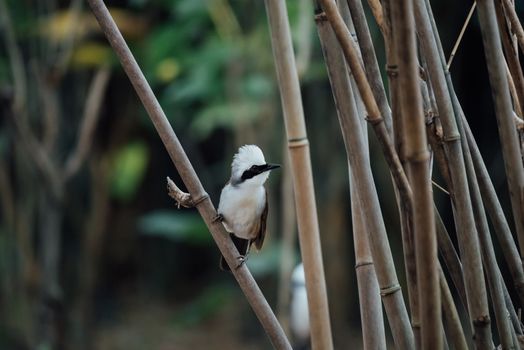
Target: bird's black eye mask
[257,169]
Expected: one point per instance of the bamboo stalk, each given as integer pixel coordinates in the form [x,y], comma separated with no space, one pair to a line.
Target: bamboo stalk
[301,169]
[467,237]
[503,112]
[513,64]
[369,58]
[455,333]
[516,26]
[365,189]
[189,176]
[417,157]
[488,253]
[496,214]
[372,321]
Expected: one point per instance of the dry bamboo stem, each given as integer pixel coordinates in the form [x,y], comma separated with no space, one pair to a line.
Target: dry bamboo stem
[188,175]
[511,57]
[301,169]
[467,237]
[504,113]
[373,333]
[369,59]
[373,113]
[489,260]
[365,189]
[450,258]
[516,26]
[455,333]
[496,214]
[417,157]
[405,208]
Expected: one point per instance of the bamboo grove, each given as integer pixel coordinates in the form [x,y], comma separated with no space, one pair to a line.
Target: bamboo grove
[419,121]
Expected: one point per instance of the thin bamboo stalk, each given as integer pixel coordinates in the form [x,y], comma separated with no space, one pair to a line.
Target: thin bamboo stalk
[503,112]
[373,333]
[417,157]
[467,237]
[516,26]
[377,87]
[455,333]
[369,58]
[365,189]
[488,253]
[496,214]
[302,175]
[188,175]
[512,59]
[486,187]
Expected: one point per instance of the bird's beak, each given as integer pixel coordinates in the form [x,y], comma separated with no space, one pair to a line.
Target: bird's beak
[268,167]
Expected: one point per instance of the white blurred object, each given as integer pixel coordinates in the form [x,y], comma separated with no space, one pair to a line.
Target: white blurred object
[299,315]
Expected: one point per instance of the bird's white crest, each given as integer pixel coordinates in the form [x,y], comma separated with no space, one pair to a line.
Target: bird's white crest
[246,157]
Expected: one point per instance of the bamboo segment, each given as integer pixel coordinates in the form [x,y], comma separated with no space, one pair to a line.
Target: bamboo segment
[189,176]
[504,113]
[365,189]
[467,237]
[417,157]
[301,169]
[455,333]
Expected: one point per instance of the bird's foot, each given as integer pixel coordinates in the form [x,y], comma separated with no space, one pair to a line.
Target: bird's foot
[242,260]
[218,218]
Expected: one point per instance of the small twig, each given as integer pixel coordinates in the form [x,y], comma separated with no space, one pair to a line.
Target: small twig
[182,198]
[440,187]
[462,31]
[89,122]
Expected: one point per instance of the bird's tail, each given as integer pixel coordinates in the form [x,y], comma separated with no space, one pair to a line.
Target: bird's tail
[242,246]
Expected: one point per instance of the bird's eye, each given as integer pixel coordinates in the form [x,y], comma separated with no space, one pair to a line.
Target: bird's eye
[253,167]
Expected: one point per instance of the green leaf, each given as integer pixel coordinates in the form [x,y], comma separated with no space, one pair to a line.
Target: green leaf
[128,170]
[175,225]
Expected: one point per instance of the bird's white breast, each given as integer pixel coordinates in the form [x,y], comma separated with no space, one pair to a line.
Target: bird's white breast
[240,206]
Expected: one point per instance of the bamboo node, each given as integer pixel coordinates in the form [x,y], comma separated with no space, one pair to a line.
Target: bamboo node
[384,292]
[295,143]
[321,17]
[363,263]
[182,198]
[451,138]
[481,321]
[418,157]
[392,70]
[374,120]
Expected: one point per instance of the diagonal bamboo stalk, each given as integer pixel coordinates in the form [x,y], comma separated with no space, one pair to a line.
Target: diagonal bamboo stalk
[365,189]
[188,175]
[516,26]
[417,162]
[455,333]
[504,113]
[301,169]
[496,214]
[467,237]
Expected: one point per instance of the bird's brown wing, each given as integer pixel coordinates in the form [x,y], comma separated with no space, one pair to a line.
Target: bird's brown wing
[259,240]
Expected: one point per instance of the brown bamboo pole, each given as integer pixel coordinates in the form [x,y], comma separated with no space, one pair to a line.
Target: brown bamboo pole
[301,169]
[516,26]
[189,176]
[497,216]
[512,59]
[365,188]
[405,208]
[417,162]
[369,58]
[455,333]
[467,237]
[504,113]
[372,321]
[487,189]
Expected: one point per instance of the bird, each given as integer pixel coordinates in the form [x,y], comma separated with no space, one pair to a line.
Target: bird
[243,205]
